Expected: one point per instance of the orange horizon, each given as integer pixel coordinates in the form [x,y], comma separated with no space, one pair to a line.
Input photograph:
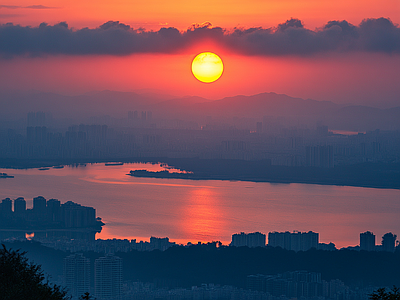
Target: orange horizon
[155,14]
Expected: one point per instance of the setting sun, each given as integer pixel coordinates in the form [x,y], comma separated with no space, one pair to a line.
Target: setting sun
[207,67]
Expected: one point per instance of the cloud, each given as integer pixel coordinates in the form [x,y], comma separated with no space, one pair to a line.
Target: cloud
[115,38]
[10,15]
[39,7]
[30,7]
[10,6]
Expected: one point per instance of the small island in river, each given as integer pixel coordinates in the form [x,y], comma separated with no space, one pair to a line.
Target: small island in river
[5,175]
[162,174]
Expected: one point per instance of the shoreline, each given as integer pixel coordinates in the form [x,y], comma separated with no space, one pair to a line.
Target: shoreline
[276,181]
[368,175]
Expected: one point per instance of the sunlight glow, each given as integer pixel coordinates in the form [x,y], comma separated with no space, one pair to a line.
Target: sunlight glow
[207,67]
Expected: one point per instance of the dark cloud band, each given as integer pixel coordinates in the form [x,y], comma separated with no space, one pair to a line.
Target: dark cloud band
[114,38]
[30,7]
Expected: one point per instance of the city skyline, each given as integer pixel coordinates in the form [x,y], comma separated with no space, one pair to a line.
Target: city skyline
[70,215]
[214,150]
[261,272]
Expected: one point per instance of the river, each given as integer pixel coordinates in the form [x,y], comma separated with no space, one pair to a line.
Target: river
[209,210]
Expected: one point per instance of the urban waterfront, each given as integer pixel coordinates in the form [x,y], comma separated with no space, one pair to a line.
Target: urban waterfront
[200,210]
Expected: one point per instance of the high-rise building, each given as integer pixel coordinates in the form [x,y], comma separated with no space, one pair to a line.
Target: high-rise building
[77,274]
[367,241]
[108,278]
[19,205]
[280,239]
[6,206]
[239,239]
[388,242]
[296,241]
[36,119]
[40,134]
[309,240]
[320,156]
[54,210]
[159,243]
[255,239]
[76,215]
[322,131]
[297,284]
[39,205]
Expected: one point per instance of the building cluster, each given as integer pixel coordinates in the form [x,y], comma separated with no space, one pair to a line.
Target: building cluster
[296,241]
[144,291]
[108,285]
[320,156]
[76,241]
[116,245]
[107,276]
[388,244]
[139,135]
[334,289]
[106,246]
[255,239]
[39,118]
[45,214]
[144,115]
[300,285]
[303,241]
[80,141]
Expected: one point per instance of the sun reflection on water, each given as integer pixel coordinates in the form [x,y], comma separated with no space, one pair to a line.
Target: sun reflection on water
[202,217]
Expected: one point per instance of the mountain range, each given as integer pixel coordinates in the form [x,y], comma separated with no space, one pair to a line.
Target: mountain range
[294,111]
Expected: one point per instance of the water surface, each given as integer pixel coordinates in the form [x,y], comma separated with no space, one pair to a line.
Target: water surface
[209,210]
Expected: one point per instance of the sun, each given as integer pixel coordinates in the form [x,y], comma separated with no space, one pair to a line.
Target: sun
[207,67]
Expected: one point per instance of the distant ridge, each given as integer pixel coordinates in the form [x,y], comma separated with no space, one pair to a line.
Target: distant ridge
[193,108]
[268,104]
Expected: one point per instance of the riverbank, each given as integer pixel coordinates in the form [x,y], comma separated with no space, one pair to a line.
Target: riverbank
[320,181]
[374,175]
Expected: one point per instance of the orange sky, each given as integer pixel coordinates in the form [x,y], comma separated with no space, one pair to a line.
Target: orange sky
[343,78]
[353,78]
[181,13]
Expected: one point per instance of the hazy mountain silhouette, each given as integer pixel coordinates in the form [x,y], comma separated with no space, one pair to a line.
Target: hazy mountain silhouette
[192,108]
[188,102]
[257,106]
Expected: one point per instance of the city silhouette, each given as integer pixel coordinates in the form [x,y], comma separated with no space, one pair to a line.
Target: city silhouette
[215,150]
